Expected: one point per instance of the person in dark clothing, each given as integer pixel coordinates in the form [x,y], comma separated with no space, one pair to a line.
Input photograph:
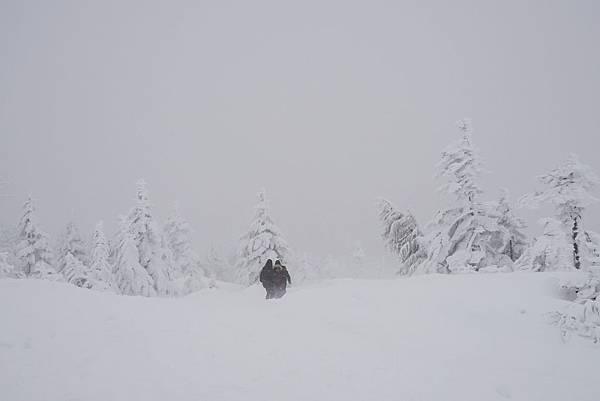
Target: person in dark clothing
[281,278]
[267,278]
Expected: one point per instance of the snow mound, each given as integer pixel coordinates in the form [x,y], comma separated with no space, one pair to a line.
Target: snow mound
[437,337]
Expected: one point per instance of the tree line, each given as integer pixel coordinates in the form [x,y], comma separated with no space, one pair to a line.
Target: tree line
[470,234]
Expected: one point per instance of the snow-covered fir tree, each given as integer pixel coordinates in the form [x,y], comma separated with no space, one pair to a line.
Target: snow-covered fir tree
[550,251]
[216,267]
[189,274]
[514,241]
[402,236]
[178,233]
[153,251]
[71,242]
[305,271]
[75,272]
[33,252]
[100,269]
[459,240]
[569,188]
[130,277]
[262,241]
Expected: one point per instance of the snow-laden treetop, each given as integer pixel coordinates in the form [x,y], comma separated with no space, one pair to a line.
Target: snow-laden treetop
[569,188]
[461,166]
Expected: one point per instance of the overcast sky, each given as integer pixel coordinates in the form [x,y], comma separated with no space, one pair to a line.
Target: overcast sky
[326,104]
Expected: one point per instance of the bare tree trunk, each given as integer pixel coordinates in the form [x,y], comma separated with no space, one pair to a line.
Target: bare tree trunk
[575,233]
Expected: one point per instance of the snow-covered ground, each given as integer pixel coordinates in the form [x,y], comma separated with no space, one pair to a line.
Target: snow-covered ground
[454,337]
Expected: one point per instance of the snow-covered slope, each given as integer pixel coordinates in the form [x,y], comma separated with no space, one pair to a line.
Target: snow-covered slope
[466,337]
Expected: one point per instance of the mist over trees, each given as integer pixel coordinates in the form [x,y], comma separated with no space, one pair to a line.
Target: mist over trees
[472,233]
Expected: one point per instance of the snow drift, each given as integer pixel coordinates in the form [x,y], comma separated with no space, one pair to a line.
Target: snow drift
[437,337]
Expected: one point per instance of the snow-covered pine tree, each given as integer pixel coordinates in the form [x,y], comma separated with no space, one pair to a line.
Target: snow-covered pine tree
[130,276]
[100,271]
[550,251]
[514,241]
[305,271]
[460,235]
[402,236]
[216,267]
[569,189]
[190,276]
[75,272]
[262,241]
[72,243]
[154,254]
[33,252]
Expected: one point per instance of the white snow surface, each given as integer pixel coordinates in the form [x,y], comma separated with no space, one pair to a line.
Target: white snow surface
[435,337]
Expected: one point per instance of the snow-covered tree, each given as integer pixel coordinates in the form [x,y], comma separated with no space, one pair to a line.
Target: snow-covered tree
[359,256]
[583,316]
[154,254]
[569,188]
[306,270]
[130,276]
[100,270]
[579,318]
[8,239]
[262,241]
[514,241]
[75,272]
[402,236]
[71,243]
[460,236]
[178,233]
[216,267]
[33,251]
[550,251]
[189,274]
[8,261]
[6,269]
[590,290]
[461,167]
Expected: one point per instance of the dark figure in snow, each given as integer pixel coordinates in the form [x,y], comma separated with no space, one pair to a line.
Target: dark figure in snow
[267,278]
[281,278]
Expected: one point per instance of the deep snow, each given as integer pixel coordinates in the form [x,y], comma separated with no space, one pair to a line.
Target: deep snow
[461,337]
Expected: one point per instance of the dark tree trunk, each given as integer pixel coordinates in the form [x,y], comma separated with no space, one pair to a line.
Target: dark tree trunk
[575,233]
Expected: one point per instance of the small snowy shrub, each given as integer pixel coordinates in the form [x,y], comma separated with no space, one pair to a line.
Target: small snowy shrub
[582,317]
